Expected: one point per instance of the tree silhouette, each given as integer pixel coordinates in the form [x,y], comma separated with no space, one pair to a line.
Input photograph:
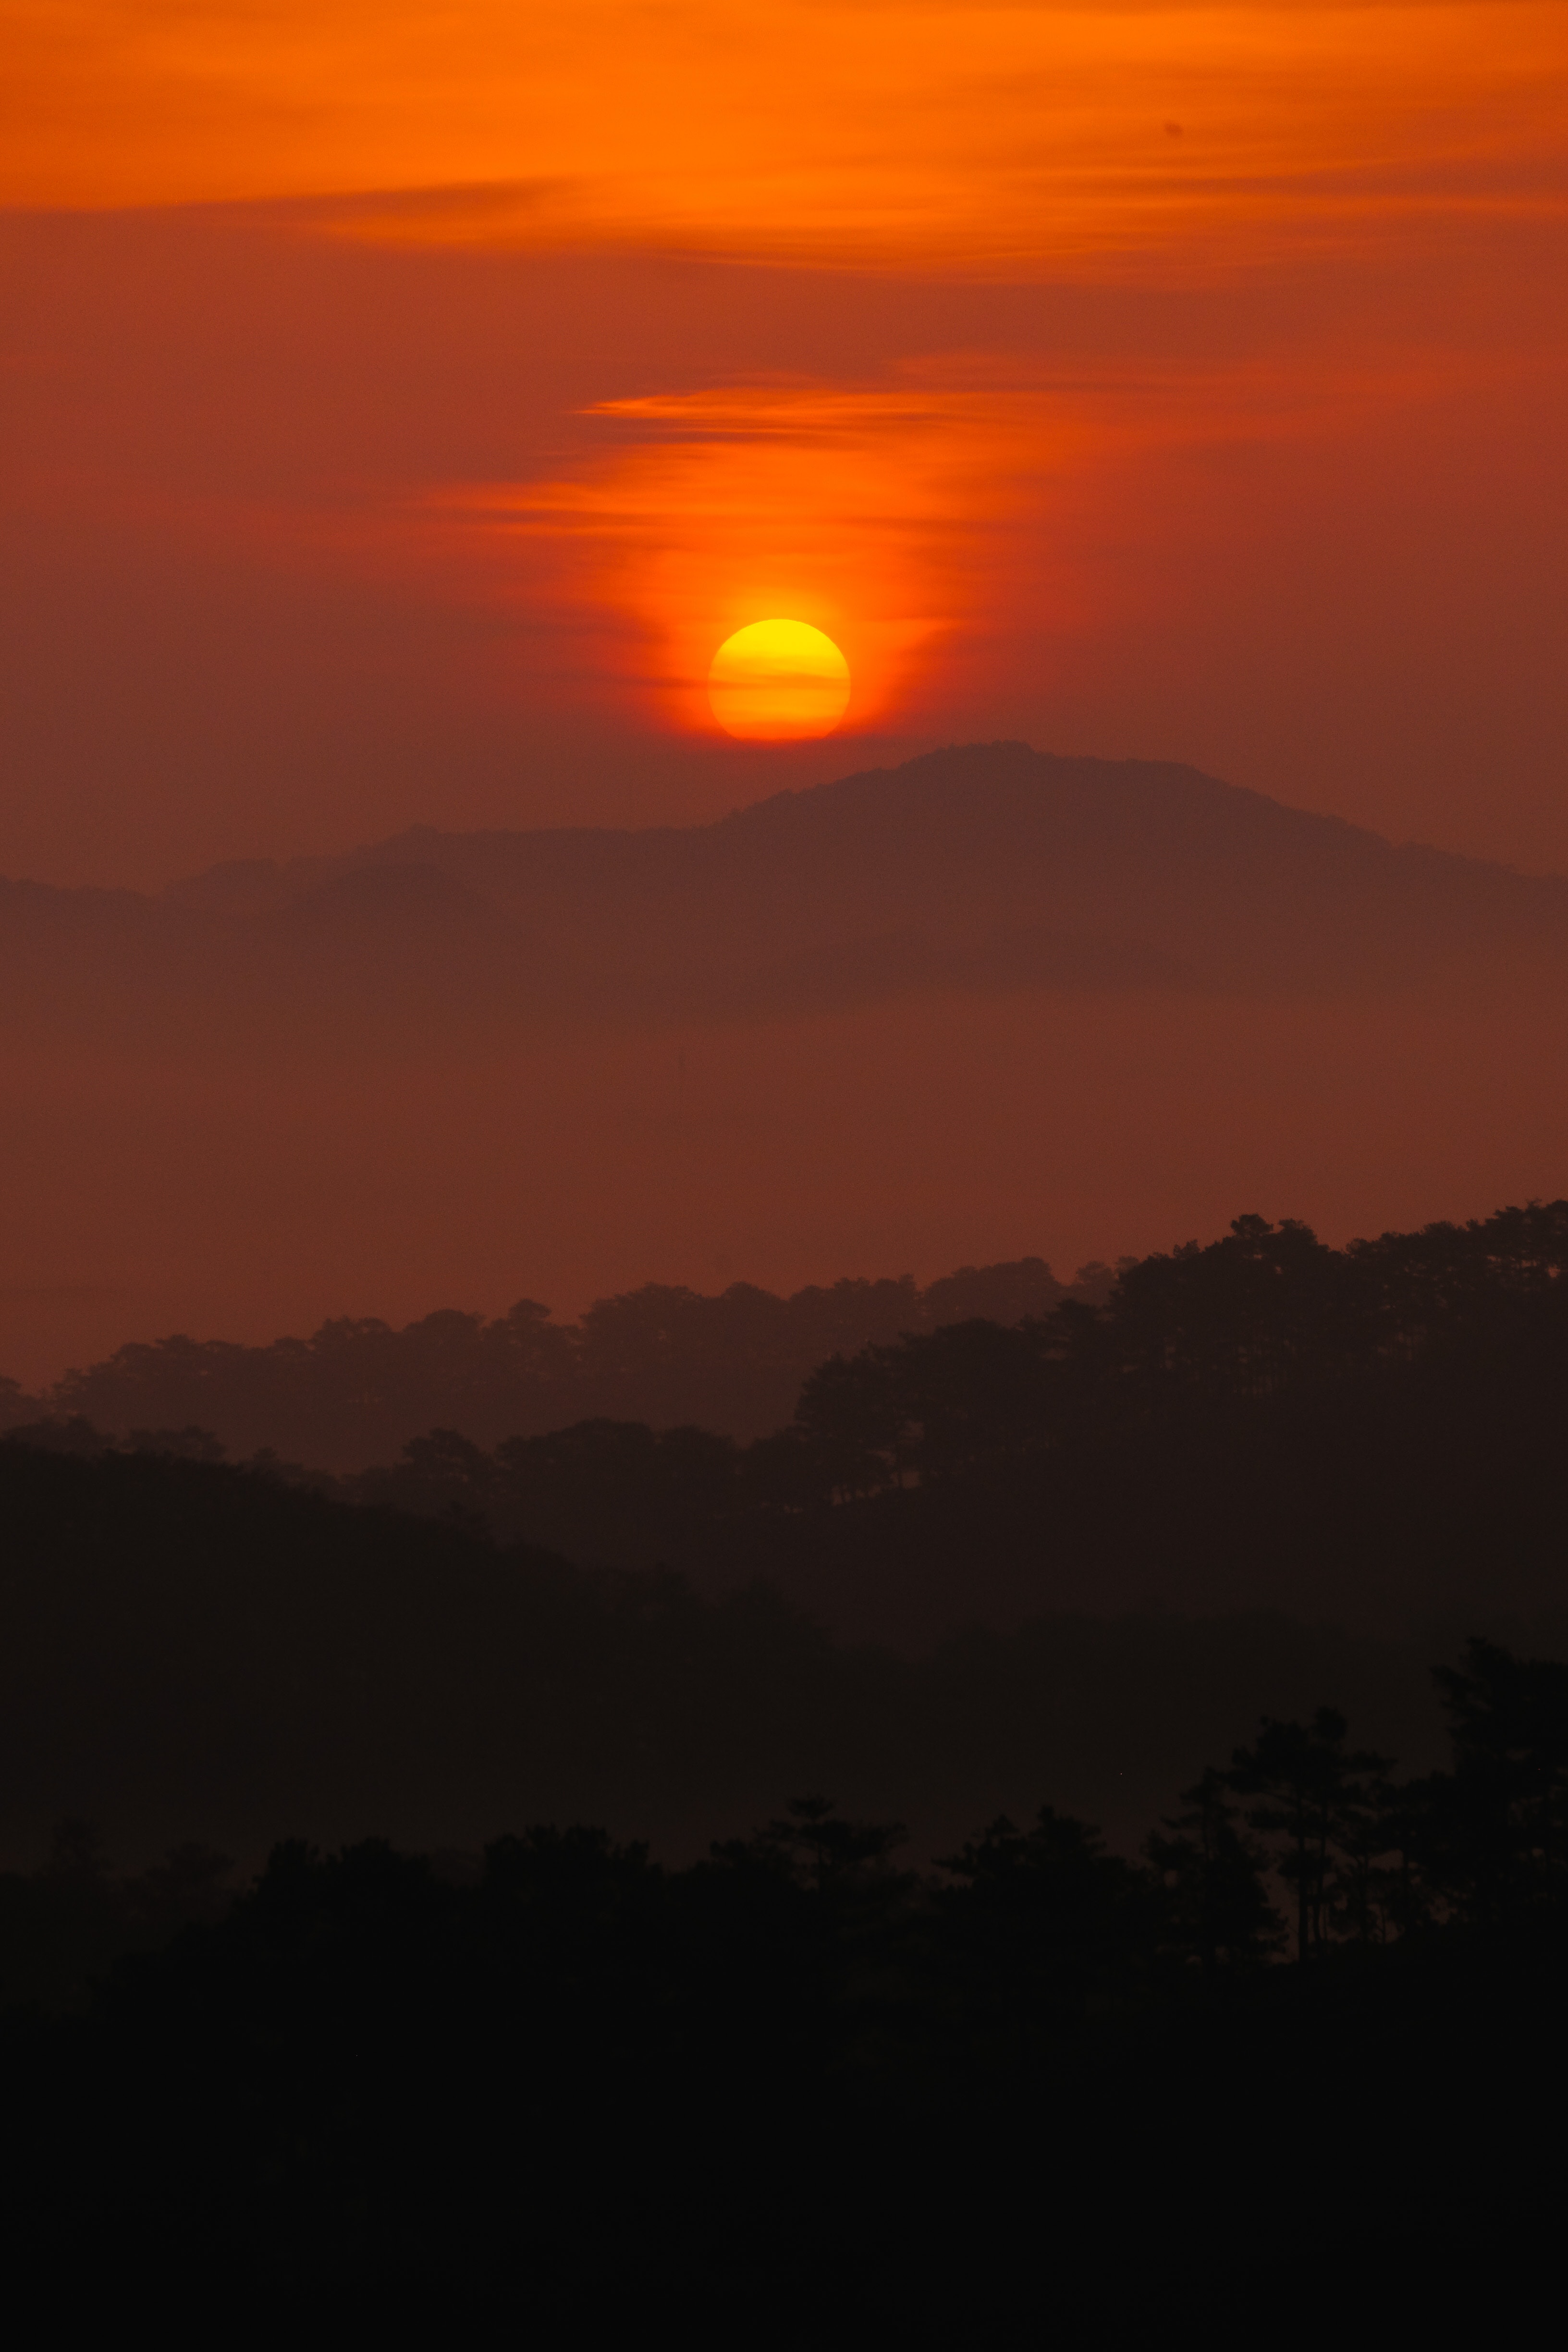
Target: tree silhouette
[1214,1875]
[1038,1919]
[818,1846]
[1322,1803]
[855,1415]
[1491,1838]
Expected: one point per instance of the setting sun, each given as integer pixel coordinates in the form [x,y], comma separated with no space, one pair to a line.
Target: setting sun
[778,681]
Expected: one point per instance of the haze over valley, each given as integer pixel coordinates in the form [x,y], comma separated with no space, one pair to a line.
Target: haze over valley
[988,1005]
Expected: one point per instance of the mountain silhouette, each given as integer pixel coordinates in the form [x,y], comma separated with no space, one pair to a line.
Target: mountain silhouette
[989,867]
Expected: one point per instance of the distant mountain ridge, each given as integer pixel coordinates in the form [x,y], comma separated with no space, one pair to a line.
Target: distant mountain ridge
[989,867]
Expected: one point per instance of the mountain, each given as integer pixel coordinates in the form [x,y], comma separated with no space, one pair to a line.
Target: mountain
[987,869]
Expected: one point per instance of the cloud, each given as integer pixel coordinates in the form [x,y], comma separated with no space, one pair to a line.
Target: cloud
[954,136]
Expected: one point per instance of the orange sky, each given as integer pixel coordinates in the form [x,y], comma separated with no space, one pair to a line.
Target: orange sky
[817,129]
[405,392]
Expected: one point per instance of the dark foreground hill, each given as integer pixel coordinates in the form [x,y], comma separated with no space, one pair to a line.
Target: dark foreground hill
[349,2104]
[990,867]
[801,2092]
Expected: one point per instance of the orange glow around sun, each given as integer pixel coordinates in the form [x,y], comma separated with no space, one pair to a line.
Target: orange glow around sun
[891,522]
[778,682]
[867,515]
[914,498]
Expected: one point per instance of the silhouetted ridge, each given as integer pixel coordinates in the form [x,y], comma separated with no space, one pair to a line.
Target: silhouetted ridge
[1372,1431]
[987,867]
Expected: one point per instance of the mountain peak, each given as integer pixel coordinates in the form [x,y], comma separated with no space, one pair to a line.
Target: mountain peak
[989,867]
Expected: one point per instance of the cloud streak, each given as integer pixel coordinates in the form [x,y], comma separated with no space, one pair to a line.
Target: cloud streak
[979,136]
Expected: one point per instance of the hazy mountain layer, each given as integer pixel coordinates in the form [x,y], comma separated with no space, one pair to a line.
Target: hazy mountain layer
[357,1390]
[991,867]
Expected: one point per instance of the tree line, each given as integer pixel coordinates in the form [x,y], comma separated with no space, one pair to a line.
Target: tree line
[1300,1844]
[357,1390]
[1301,2036]
[1404,1394]
[950,1390]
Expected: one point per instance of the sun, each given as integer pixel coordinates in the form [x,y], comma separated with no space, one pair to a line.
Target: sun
[778,682]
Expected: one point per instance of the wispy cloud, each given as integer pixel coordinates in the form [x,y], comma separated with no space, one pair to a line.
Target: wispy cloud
[941,132]
[897,516]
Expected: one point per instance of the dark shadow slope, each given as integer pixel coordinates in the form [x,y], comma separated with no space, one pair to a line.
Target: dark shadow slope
[195,1652]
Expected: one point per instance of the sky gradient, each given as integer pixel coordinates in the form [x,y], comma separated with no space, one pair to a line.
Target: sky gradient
[405,402]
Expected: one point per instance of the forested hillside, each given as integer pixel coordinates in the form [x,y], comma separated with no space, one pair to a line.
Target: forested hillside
[358,1389]
[926,1993]
[1371,1435]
